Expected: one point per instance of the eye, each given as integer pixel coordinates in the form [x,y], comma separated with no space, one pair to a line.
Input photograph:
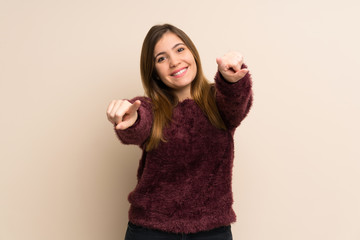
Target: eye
[181,49]
[160,59]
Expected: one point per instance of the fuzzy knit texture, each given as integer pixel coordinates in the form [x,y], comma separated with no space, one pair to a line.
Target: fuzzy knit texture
[184,185]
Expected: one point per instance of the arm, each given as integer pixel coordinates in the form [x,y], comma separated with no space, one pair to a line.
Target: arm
[233,89]
[134,127]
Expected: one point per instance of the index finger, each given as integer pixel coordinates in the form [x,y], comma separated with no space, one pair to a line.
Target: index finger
[134,107]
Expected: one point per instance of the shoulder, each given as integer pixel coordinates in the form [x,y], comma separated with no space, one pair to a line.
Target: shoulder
[141,98]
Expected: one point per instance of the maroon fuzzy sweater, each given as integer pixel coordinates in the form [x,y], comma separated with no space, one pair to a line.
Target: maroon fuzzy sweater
[184,185]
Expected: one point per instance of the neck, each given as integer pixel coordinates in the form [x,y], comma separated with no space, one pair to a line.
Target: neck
[183,94]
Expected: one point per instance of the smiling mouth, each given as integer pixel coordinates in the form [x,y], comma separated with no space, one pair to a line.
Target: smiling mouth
[179,73]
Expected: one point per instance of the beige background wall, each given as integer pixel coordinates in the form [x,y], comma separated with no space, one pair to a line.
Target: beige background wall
[65,176]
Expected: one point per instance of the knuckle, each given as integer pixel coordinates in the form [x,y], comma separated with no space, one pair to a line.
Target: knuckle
[118,114]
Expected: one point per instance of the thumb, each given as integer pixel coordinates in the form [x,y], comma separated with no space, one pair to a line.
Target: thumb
[123,125]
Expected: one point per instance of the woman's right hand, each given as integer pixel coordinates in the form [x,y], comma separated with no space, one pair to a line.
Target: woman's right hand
[122,113]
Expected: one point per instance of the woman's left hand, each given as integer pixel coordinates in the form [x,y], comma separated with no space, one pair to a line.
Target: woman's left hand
[229,66]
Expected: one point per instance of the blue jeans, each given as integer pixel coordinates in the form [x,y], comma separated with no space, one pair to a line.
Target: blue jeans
[135,232]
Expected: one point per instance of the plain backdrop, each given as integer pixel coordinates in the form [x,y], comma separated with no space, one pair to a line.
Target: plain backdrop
[65,176]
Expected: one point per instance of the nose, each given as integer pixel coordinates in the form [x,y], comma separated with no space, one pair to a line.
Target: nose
[174,61]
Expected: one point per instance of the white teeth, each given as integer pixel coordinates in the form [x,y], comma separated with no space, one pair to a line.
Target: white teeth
[180,72]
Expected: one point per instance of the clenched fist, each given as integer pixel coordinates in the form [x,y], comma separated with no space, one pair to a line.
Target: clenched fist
[122,113]
[229,66]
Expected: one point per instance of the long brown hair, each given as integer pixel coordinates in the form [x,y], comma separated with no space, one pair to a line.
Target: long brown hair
[163,99]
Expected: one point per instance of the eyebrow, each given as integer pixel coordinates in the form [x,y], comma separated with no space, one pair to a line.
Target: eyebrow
[172,48]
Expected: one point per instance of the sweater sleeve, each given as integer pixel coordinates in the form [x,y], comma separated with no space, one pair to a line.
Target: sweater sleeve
[139,132]
[233,100]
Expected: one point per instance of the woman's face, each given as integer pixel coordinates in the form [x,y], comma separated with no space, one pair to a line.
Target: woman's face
[175,64]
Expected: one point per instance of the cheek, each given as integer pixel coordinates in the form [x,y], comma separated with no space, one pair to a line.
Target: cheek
[191,60]
[194,66]
[160,71]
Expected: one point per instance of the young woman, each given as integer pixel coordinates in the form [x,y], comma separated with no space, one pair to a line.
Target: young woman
[185,127]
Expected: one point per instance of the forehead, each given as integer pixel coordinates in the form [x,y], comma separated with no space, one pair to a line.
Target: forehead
[167,42]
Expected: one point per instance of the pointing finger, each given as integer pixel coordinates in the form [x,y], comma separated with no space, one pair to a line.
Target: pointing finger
[134,107]
[126,116]
[242,73]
